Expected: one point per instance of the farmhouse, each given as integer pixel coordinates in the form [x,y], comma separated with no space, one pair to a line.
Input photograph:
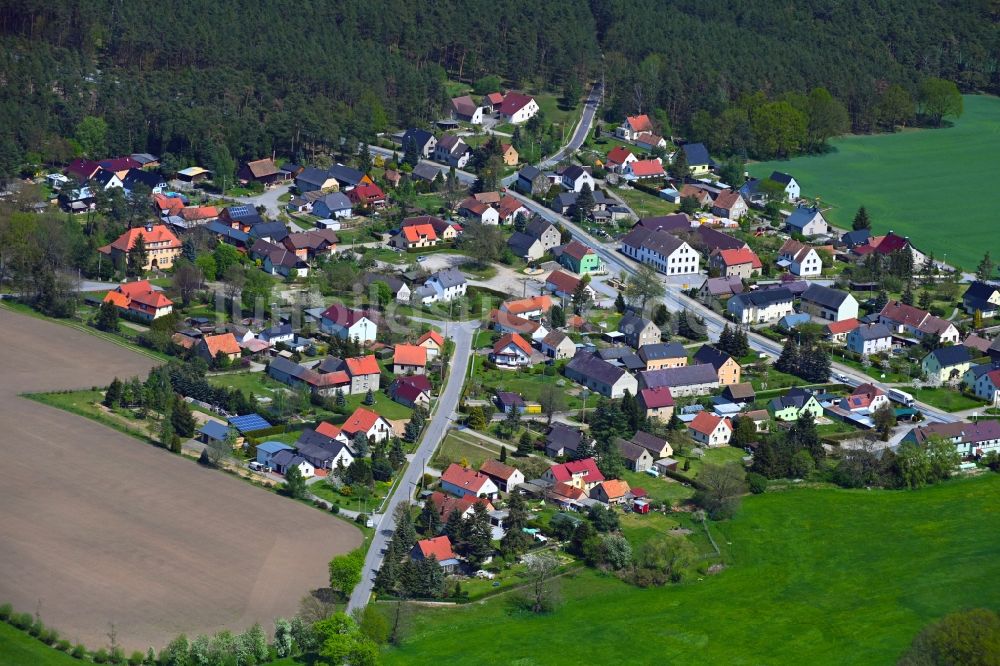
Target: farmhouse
[663,355]
[800,259]
[463,482]
[518,108]
[710,430]
[463,108]
[903,318]
[140,300]
[684,381]
[661,250]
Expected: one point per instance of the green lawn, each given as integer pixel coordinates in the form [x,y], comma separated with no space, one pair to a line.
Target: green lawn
[645,205]
[660,489]
[948,399]
[458,445]
[17,647]
[912,181]
[812,577]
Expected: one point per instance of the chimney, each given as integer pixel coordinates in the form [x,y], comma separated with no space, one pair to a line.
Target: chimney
[149,226]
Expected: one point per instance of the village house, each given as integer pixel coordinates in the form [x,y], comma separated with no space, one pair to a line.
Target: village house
[433,342]
[600,376]
[278,260]
[526,247]
[397,286]
[617,158]
[721,287]
[368,423]
[465,109]
[162,246]
[451,150]
[947,365]
[987,387]
[348,324]
[791,187]
[440,549]
[441,287]
[409,360]
[727,368]
[508,154]
[661,355]
[420,140]
[982,297]
[582,474]
[649,141]
[807,221]
[643,170]
[611,492]
[563,285]
[464,482]
[446,231]
[661,250]
[481,212]
[710,430]
[333,206]
[638,331]
[697,159]
[580,259]
[743,263]
[505,477]
[505,322]
[836,332]
[412,391]
[868,339]
[565,440]
[212,347]
[140,300]
[887,245]
[636,457]
[308,245]
[829,304]
[558,345]
[632,126]
[367,195]
[730,204]
[971,440]
[794,404]
[509,208]
[865,398]
[312,179]
[910,320]
[762,306]
[415,237]
[518,108]
[263,171]
[511,351]
[531,181]
[658,403]
[740,394]
[799,259]
[684,381]
[575,177]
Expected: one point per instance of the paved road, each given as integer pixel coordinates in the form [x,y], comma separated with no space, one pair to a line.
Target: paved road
[443,417]
[269,199]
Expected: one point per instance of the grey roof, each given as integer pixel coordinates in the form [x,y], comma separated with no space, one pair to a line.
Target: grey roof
[425,171]
[622,356]
[562,436]
[764,297]
[346,175]
[720,286]
[953,355]
[981,369]
[712,356]
[276,230]
[633,323]
[520,243]
[662,350]
[573,172]
[449,277]
[696,154]
[686,375]
[335,201]
[554,338]
[276,331]
[714,239]
[980,291]
[147,178]
[872,331]
[801,216]
[394,282]
[659,242]
[214,430]
[631,452]
[825,296]
[314,176]
[781,177]
[673,222]
[420,136]
[529,173]
[537,227]
[224,230]
[649,442]
[856,237]
[144,158]
[593,366]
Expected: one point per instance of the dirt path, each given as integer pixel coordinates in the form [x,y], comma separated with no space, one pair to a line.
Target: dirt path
[98,527]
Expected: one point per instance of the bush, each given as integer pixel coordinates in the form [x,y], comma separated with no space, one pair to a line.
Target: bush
[63,645]
[334,509]
[101,656]
[135,659]
[79,652]
[757,483]
[22,620]
[5,612]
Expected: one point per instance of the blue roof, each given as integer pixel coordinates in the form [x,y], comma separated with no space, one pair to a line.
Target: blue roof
[792,320]
[249,422]
[696,154]
[214,430]
[801,217]
[217,227]
[274,447]
[240,212]
[953,355]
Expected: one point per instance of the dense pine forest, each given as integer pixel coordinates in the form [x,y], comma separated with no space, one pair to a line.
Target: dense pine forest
[226,80]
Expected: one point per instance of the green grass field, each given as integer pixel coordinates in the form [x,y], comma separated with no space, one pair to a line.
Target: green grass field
[926,184]
[17,647]
[813,576]
[948,399]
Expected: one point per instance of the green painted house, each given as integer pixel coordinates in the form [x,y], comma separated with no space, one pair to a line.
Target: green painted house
[794,404]
[580,259]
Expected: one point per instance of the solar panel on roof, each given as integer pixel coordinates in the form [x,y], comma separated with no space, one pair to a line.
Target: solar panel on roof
[249,422]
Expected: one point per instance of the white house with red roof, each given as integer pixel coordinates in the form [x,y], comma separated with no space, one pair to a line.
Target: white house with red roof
[618,157]
[445,504]
[433,342]
[711,430]
[743,263]
[506,477]
[582,474]
[464,482]
[140,300]
[374,427]
[907,319]
[730,205]
[440,549]
[633,126]
[564,285]
[348,324]
[518,108]
[511,351]
[409,359]
[987,387]
[865,398]
[643,169]
[534,307]
[162,246]
[414,237]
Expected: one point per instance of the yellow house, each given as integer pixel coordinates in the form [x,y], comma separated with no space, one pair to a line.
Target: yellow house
[509,154]
[947,364]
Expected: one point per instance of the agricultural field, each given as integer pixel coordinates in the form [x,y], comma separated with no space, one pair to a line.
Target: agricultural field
[925,184]
[812,576]
[100,527]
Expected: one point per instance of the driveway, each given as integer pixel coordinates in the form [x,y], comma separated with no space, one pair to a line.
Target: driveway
[269,200]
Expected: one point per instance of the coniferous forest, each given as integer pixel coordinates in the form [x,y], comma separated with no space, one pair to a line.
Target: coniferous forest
[214,83]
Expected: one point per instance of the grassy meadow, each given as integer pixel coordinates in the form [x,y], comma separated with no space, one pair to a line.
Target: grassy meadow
[812,577]
[926,184]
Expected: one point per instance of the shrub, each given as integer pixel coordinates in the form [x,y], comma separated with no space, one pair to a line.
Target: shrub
[79,652]
[757,483]
[5,612]
[334,509]
[135,659]
[101,656]
[22,620]
[63,645]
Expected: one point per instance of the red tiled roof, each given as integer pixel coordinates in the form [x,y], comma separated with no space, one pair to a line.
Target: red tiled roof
[445,504]
[569,492]
[225,343]
[585,467]
[118,298]
[649,139]
[432,336]
[512,338]
[366,192]
[845,326]
[328,430]
[742,256]
[343,315]
[640,123]
[618,155]
[170,204]
[727,199]
[495,98]
[492,467]
[646,168]
[474,206]
[158,233]
[508,206]
[409,355]
[199,213]
[522,305]
[706,423]
[439,547]
[415,232]
[361,420]
[362,365]
[654,398]
[467,479]
[563,281]
[615,488]
[512,321]
[577,250]
[901,313]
